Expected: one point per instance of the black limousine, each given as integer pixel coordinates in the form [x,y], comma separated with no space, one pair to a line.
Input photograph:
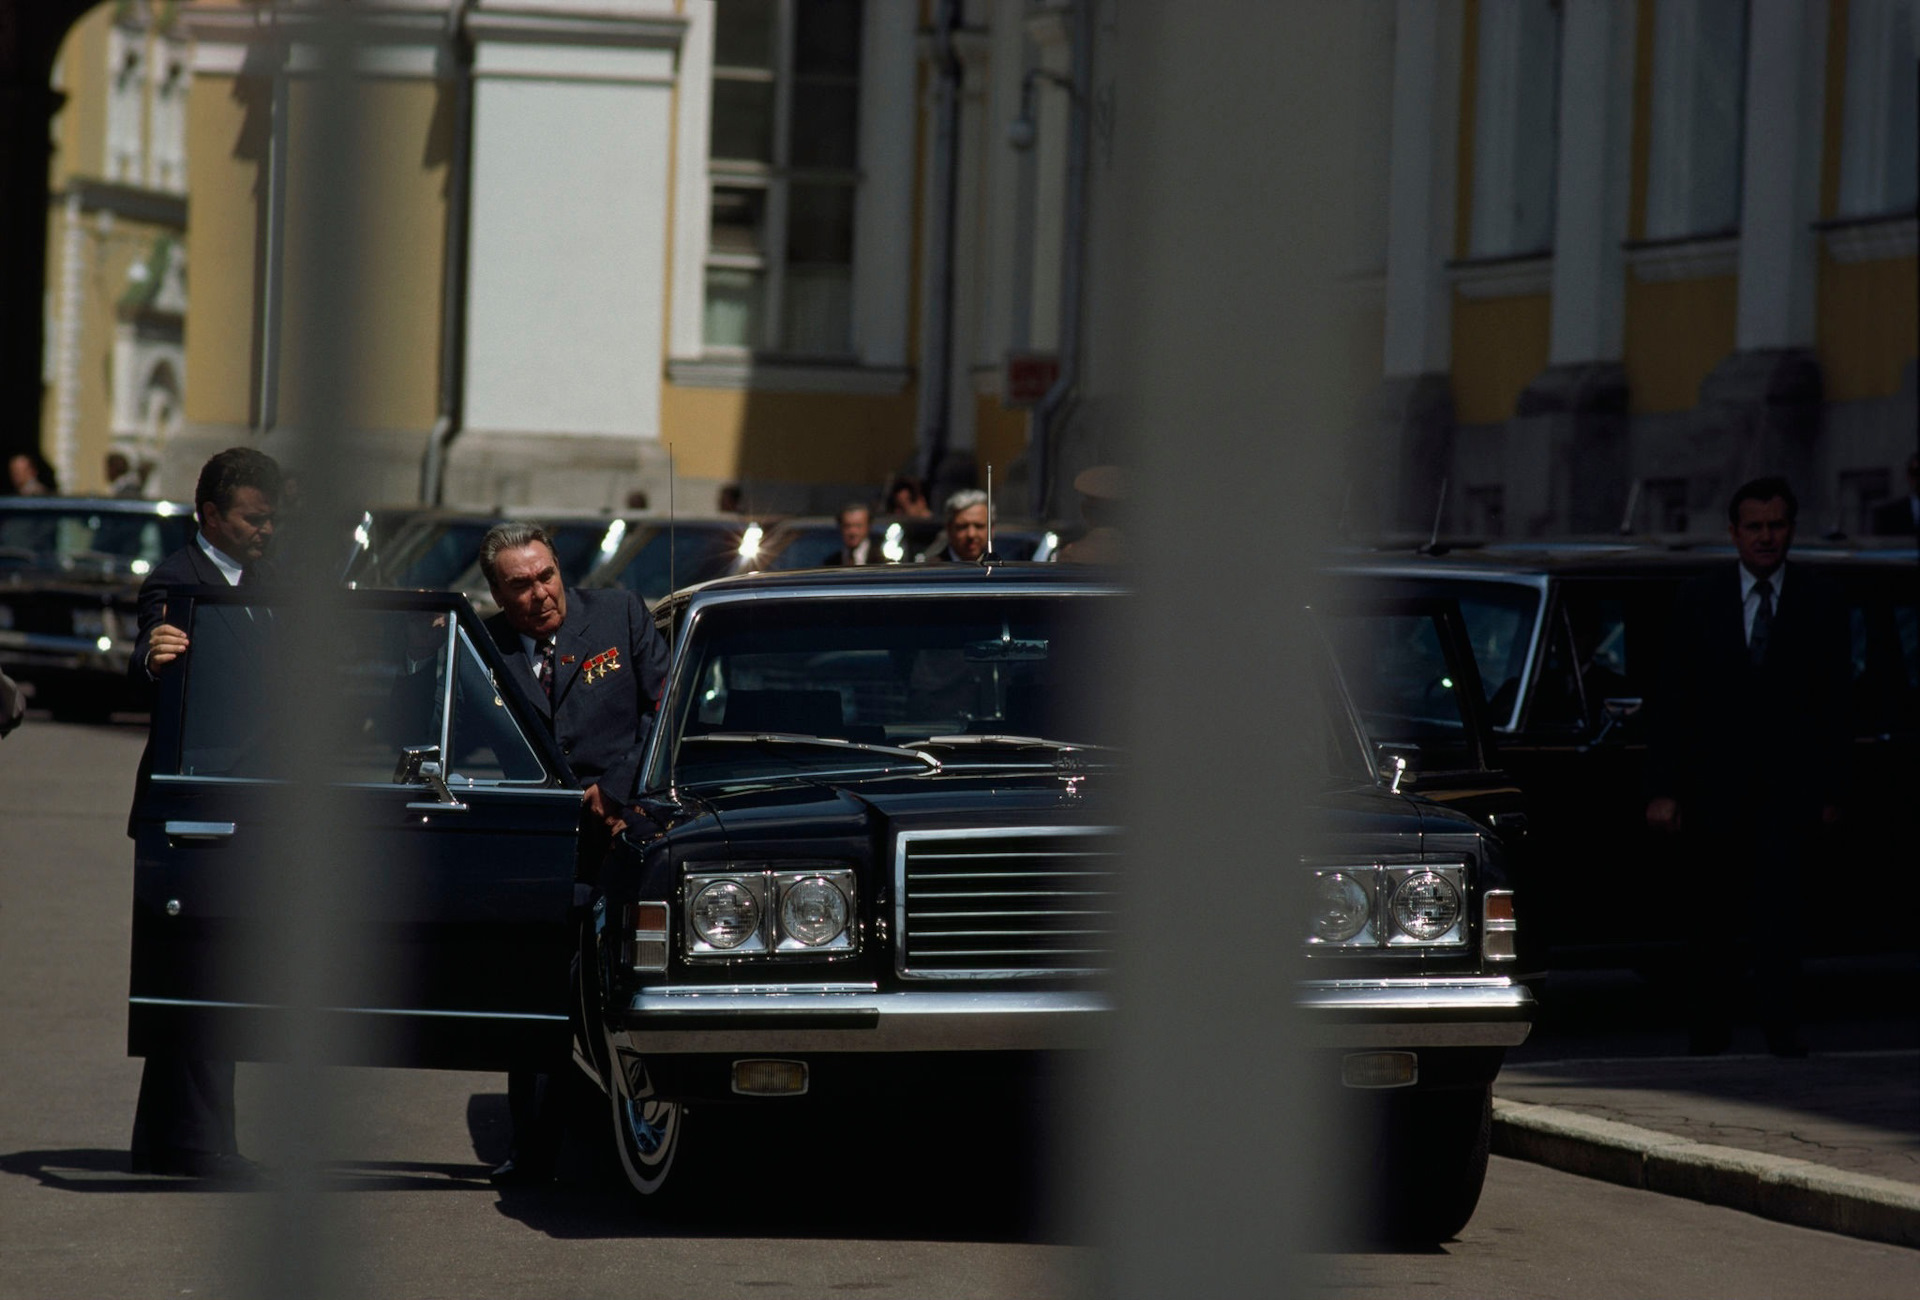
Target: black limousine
[875,848]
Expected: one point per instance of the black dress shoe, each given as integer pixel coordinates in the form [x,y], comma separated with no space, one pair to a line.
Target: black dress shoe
[519,1173]
[213,1166]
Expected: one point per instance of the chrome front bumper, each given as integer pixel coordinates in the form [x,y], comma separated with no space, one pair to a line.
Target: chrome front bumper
[857,1018]
[1482,1011]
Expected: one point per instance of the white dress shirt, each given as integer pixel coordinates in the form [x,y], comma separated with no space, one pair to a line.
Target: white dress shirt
[228,566]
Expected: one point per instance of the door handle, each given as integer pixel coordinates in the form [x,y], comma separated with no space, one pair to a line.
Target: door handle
[199,832]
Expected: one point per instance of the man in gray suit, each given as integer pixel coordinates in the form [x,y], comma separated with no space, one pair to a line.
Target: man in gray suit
[594,667]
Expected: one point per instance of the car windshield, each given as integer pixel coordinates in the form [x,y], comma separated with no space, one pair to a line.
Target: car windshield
[699,552]
[108,541]
[893,672]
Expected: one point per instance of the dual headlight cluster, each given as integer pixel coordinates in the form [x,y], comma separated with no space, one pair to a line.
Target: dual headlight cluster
[760,912]
[1388,907]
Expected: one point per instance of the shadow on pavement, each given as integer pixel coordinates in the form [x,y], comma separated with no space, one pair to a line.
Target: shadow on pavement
[801,1175]
[96,1169]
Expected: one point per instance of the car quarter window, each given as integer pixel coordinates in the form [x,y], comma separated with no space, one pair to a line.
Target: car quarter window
[1499,619]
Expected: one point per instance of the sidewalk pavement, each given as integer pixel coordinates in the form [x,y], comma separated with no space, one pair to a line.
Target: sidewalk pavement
[1831,1142]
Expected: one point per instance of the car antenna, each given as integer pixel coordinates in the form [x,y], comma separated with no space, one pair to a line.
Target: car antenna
[670,478]
[1433,546]
[987,556]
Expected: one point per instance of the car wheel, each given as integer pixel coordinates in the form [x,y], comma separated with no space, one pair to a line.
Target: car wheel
[646,1134]
[1440,1162]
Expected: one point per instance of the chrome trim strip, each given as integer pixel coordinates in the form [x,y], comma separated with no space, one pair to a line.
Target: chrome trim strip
[1494,996]
[900,843]
[210,1005]
[523,789]
[914,1020]
[761,990]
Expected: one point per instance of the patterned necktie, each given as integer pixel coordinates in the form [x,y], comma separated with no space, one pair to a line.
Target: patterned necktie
[546,668]
[1762,624]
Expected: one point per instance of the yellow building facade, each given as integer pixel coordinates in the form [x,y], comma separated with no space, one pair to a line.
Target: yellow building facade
[589,246]
[1644,250]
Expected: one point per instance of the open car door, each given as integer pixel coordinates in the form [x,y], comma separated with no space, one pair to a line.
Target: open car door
[448,924]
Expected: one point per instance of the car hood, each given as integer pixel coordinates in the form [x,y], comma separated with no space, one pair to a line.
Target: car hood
[806,817]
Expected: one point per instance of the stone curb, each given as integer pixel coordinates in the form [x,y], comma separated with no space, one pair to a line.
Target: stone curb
[1799,1192]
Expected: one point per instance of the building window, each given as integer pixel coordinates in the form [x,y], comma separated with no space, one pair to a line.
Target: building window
[1878,170]
[1515,127]
[126,104]
[783,174]
[1699,115]
[167,150]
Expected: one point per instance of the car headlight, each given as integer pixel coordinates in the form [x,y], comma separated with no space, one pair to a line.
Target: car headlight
[1340,907]
[760,910]
[1426,906]
[724,915]
[813,911]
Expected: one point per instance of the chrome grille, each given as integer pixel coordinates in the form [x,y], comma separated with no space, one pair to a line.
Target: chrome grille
[986,903]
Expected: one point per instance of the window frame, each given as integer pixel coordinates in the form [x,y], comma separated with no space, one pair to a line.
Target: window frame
[776,179]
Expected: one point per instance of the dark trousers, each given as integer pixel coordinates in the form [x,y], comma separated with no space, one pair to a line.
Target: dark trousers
[184,1106]
[1745,897]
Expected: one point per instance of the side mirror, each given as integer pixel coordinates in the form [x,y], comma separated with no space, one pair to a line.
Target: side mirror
[1617,711]
[1398,763]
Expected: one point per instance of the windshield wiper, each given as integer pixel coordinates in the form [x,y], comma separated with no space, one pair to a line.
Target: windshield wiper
[771,738]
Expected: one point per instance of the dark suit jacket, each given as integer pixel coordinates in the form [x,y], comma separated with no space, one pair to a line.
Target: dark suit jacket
[189,566]
[839,557]
[609,667]
[1747,749]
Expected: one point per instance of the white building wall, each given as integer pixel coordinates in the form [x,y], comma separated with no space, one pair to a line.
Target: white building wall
[568,255]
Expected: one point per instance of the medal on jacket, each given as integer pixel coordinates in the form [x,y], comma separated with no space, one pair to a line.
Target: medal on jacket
[600,665]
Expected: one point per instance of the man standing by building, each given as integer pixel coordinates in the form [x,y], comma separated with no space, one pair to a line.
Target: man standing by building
[856,537]
[593,666]
[1747,760]
[183,1123]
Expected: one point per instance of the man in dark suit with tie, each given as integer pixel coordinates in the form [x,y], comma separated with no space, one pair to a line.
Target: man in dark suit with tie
[594,666]
[1747,760]
[183,1123]
[856,537]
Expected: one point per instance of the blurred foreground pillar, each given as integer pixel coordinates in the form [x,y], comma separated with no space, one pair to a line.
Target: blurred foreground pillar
[1236,273]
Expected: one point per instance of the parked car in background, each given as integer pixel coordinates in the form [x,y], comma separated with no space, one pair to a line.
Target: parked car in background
[1568,640]
[657,555]
[70,573]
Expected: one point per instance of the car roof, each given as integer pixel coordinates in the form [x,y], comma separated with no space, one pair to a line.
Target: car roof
[1584,557]
[893,579]
[105,505]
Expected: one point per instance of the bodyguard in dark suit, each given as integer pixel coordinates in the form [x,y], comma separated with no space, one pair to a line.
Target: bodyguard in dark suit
[1747,760]
[183,1122]
[594,666]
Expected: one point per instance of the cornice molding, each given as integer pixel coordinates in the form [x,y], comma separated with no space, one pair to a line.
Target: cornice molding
[1502,277]
[1667,260]
[1871,239]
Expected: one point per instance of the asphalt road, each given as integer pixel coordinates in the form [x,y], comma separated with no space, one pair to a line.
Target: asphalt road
[406,1210]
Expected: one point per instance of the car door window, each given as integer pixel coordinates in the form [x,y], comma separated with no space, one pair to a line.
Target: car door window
[487,744]
[1558,702]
